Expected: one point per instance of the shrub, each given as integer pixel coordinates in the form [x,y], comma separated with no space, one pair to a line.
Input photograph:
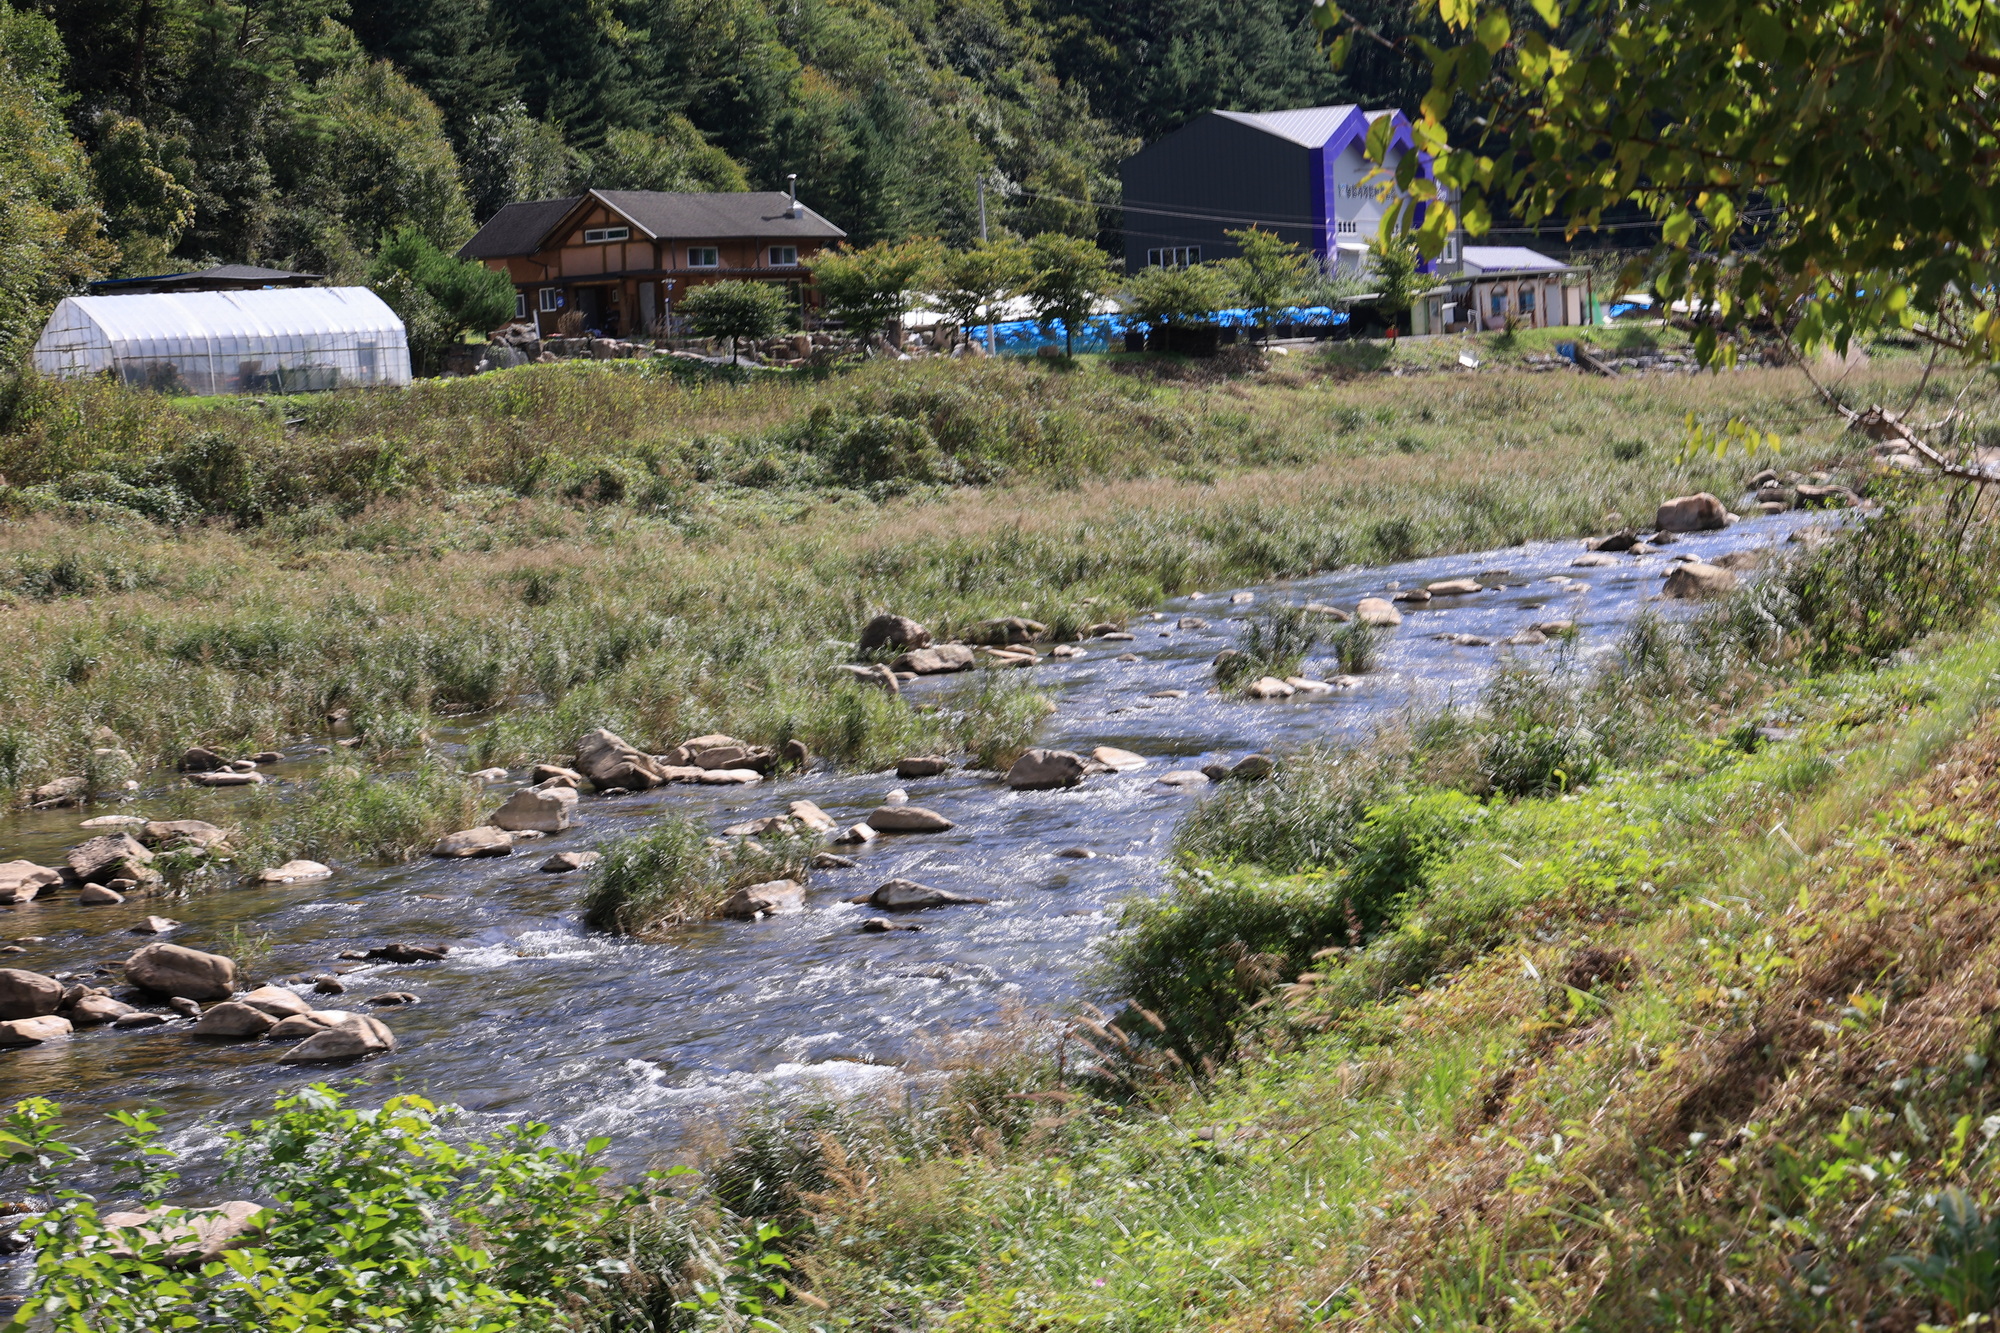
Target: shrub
[1305,815]
[671,876]
[1356,647]
[735,309]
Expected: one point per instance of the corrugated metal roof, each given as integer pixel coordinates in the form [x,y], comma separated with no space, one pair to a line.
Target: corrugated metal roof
[1511,258]
[1309,127]
[520,229]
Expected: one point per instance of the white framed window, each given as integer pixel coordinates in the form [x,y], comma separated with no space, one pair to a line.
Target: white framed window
[520,305]
[551,298]
[1527,300]
[1499,301]
[605,235]
[784,256]
[1347,227]
[1173,256]
[1451,248]
[704,256]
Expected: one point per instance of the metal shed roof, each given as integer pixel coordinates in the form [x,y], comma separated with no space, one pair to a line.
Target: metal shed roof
[1309,127]
[1509,258]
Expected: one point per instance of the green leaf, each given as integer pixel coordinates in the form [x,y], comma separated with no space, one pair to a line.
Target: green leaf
[1493,30]
[1550,11]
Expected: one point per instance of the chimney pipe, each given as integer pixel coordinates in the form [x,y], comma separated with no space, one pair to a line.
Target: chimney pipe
[792,188]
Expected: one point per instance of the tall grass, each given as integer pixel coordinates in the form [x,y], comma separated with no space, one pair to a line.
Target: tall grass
[673,875]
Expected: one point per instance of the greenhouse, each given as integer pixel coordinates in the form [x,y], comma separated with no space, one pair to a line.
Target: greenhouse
[266,341]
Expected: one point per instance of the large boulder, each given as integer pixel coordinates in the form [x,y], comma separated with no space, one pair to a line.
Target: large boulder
[544,811]
[906,895]
[607,761]
[938,661]
[1691,513]
[1378,612]
[483,841]
[63,791]
[20,881]
[234,1021]
[718,752]
[111,856]
[1696,581]
[199,759]
[28,994]
[774,898]
[277,1001]
[898,632]
[95,1010]
[906,819]
[33,1031]
[358,1037]
[174,969]
[192,1238]
[1044,770]
[1007,629]
[182,833]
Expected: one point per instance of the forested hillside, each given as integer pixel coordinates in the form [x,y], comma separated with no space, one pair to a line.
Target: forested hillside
[152,134]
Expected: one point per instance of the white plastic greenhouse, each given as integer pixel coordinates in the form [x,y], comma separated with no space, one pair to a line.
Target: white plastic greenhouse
[287,340]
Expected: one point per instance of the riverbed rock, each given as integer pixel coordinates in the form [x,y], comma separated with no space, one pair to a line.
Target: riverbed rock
[922,766]
[296,1027]
[99,895]
[466,843]
[199,759]
[726,777]
[882,925]
[856,834]
[1117,760]
[1307,685]
[1594,561]
[183,1006]
[408,953]
[226,778]
[555,775]
[111,856]
[1377,612]
[182,833]
[487,776]
[63,791]
[896,632]
[778,897]
[1466,640]
[139,1018]
[1740,560]
[178,971]
[1694,582]
[1825,497]
[906,895]
[114,821]
[1527,638]
[1613,542]
[233,1020]
[1453,587]
[33,1031]
[1691,513]
[394,999]
[197,1237]
[1553,627]
[155,925]
[360,1037]
[810,817]
[1252,767]
[1269,687]
[938,661]
[1168,694]
[875,673]
[832,861]
[544,811]
[1413,595]
[607,761]
[28,994]
[91,1011]
[1044,770]
[276,1001]
[908,819]
[1182,777]
[1006,629]
[295,872]
[328,984]
[20,881]
[717,751]
[564,862]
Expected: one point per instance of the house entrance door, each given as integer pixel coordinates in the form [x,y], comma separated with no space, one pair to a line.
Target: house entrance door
[599,306]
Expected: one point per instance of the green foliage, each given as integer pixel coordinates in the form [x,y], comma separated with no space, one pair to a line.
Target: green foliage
[509,156]
[734,309]
[1068,277]
[1393,261]
[1269,273]
[1357,645]
[438,297]
[1170,297]
[874,286]
[1537,738]
[676,158]
[145,205]
[1275,644]
[967,282]
[348,812]
[670,877]
[372,1219]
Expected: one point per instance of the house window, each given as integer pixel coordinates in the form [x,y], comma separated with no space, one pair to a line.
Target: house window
[704,256]
[605,235]
[1499,301]
[1451,248]
[1527,300]
[784,256]
[1173,256]
[520,305]
[551,298]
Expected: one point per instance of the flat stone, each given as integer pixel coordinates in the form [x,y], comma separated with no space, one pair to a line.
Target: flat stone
[774,898]
[547,810]
[1119,761]
[139,1019]
[555,775]
[1183,777]
[810,817]
[1593,561]
[295,1028]
[20,881]
[155,925]
[1043,770]
[26,994]
[226,778]
[922,766]
[96,1011]
[233,1020]
[1077,854]
[905,895]
[199,1236]
[107,857]
[294,872]
[1527,638]
[33,1031]
[1332,612]
[486,776]
[1414,595]
[486,841]
[1553,627]
[352,1040]
[408,953]
[1118,636]
[1452,587]
[855,835]
[182,832]
[1375,611]
[1696,581]
[113,821]
[908,819]
[394,999]
[1306,685]
[1242,598]
[833,861]
[727,777]
[1270,687]
[98,895]
[277,1001]
[564,862]
[1190,622]
[941,660]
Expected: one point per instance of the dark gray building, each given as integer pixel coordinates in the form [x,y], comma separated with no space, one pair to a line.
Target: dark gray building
[1299,173]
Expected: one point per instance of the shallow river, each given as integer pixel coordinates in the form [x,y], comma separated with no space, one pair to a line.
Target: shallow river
[530,1016]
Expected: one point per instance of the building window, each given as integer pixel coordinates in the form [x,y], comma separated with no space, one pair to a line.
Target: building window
[1347,228]
[1173,256]
[605,235]
[1451,248]
[704,256]
[520,305]
[1527,300]
[551,298]
[1499,301]
[784,256]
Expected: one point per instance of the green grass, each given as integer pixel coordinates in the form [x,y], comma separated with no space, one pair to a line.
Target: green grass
[673,876]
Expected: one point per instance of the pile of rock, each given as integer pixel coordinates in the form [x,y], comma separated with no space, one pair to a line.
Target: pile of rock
[203,767]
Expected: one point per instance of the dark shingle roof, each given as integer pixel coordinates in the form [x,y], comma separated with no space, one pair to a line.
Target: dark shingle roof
[223,277]
[520,229]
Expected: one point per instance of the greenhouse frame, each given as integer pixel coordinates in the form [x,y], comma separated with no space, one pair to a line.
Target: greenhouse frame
[293,340]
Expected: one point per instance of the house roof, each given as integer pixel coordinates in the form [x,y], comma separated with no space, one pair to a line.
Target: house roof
[520,229]
[223,277]
[1309,127]
[1510,259]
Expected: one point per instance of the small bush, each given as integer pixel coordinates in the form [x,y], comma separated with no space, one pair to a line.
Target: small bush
[672,876]
[1356,647]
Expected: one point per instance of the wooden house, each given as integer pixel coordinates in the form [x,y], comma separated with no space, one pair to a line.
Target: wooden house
[1493,285]
[620,258]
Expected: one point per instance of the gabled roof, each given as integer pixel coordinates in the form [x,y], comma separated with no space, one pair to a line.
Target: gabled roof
[1309,127]
[1509,259]
[223,277]
[520,229]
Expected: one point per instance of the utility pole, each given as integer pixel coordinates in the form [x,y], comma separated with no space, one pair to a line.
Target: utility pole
[982,241]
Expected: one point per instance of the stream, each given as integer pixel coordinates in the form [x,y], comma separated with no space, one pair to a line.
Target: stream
[530,1016]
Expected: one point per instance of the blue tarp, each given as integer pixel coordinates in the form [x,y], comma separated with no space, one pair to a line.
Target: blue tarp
[1022,336]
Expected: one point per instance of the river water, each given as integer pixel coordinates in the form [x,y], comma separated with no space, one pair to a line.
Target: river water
[531,1016]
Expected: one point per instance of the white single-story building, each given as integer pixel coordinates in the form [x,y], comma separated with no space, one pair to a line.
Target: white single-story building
[262,341]
[1495,282]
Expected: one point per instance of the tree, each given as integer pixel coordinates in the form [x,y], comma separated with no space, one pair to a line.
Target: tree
[1828,166]
[732,309]
[868,288]
[1164,298]
[146,208]
[1070,275]
[1269,274]
[510,157]
[1394,271]
[437,296]
[677,158]
[968,283]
